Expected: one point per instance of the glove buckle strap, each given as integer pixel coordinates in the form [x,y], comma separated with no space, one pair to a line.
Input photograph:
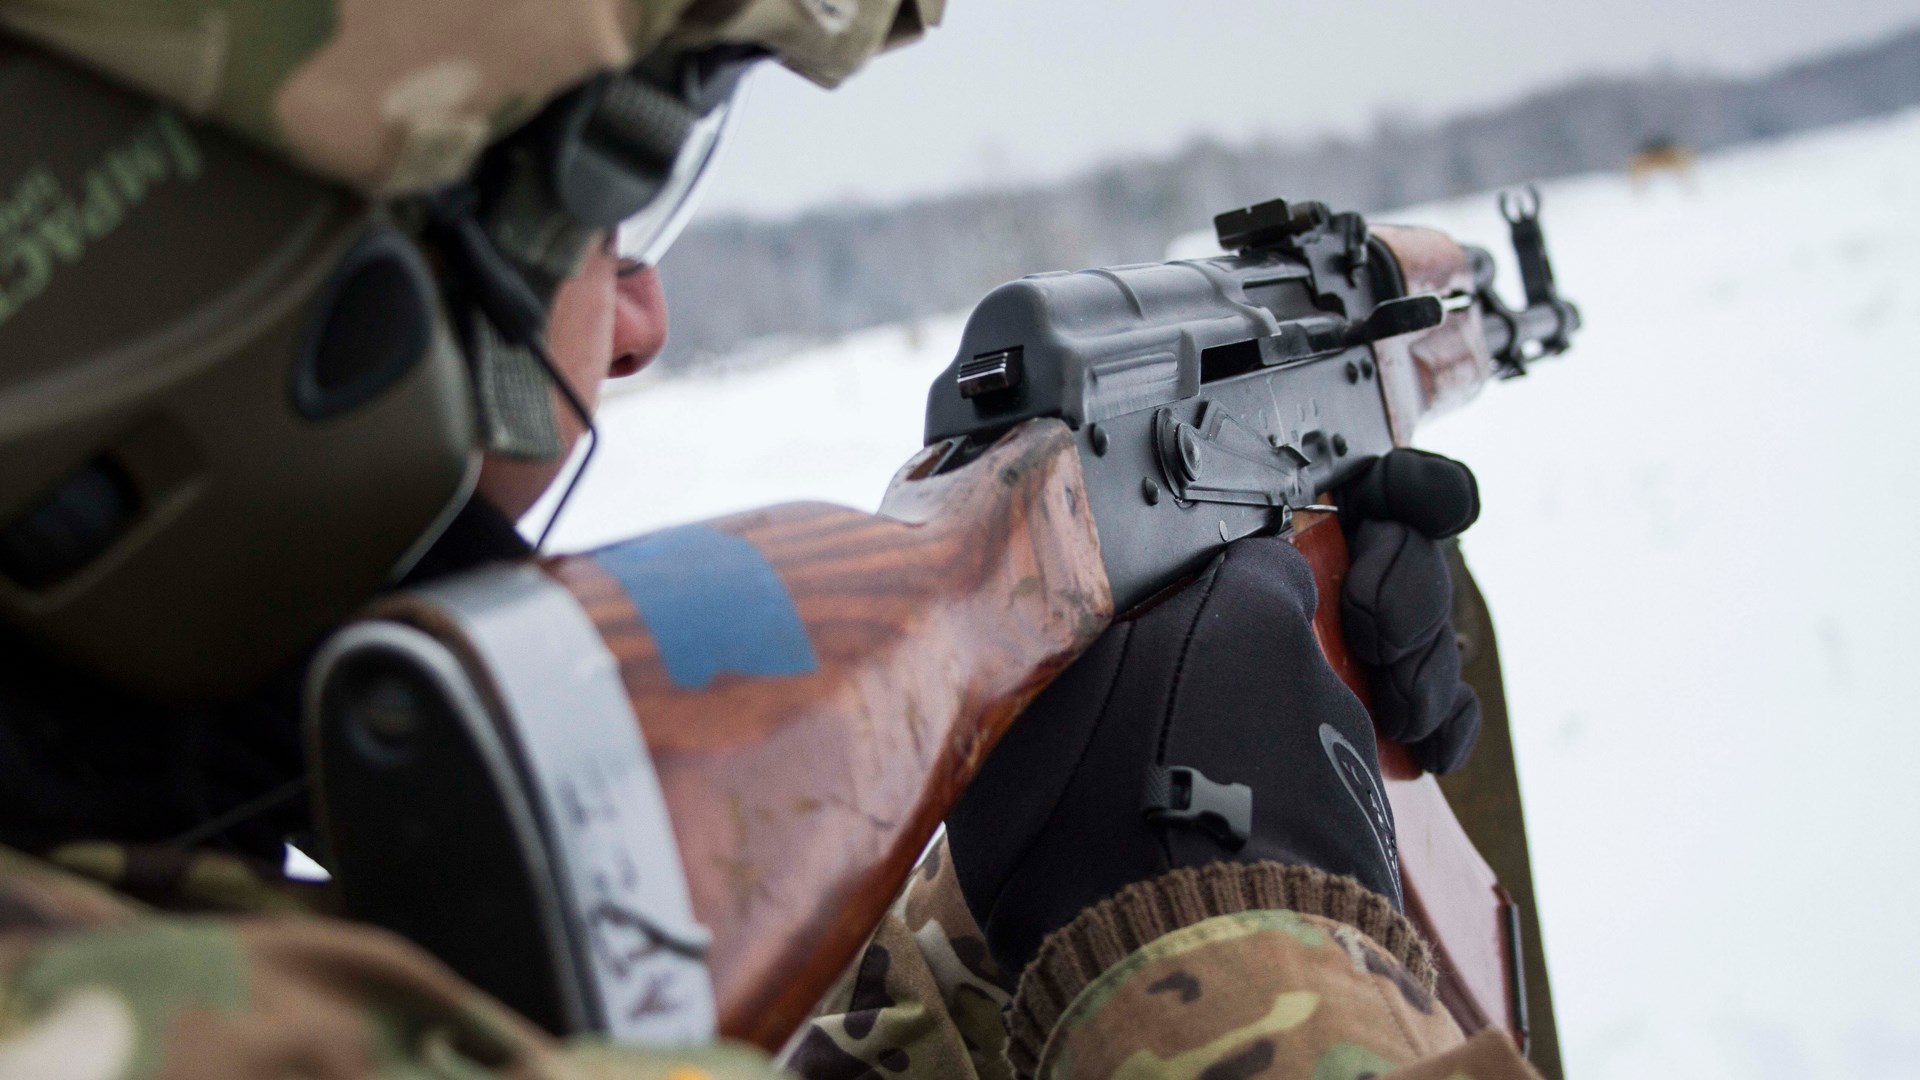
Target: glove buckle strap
[1184,797]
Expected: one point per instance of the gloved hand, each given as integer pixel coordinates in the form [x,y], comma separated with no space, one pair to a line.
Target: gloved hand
[1398,594]
[1211,727]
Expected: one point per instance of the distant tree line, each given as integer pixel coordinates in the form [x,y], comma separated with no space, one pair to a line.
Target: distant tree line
[827,272]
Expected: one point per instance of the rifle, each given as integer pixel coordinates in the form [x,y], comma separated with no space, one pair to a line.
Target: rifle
[669,787]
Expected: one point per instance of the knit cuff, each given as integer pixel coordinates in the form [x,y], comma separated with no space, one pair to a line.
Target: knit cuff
[1106,933]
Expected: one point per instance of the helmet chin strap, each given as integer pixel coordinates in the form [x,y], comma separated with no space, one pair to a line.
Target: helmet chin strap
[585,417]
[501,294]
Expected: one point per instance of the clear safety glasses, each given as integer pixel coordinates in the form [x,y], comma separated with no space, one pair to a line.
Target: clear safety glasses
[645,235]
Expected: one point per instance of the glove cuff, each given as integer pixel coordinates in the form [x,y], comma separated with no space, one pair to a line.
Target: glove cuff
[1106,933]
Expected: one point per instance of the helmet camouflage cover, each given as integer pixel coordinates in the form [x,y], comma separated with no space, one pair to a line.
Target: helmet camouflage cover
[393,96]
[235,398]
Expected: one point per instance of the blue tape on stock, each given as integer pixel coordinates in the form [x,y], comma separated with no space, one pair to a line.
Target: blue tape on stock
[713,604]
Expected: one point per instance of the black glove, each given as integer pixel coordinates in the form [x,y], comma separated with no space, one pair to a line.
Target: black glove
[1398,596]
[1211,728]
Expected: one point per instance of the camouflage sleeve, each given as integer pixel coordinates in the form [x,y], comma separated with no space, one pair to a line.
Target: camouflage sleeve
[95,986]
[923,1002]
[401,95]
[1258,993]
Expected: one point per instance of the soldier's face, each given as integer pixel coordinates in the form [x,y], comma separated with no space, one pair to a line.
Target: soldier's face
[608,320]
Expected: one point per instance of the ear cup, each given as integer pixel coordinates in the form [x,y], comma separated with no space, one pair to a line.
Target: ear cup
[234,409]
[375,324]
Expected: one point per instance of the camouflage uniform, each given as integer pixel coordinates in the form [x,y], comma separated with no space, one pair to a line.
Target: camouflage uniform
[95,985]
[1259,993]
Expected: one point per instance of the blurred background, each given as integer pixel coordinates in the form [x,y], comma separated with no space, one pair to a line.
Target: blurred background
[1698,535]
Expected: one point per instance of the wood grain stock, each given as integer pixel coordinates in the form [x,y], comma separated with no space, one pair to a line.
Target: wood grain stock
[800,803]
[1452,894]
[1442,368]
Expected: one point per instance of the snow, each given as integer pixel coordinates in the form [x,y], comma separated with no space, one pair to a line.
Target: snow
[1697,545]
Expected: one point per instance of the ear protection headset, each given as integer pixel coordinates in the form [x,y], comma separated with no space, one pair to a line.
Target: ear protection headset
[236,400]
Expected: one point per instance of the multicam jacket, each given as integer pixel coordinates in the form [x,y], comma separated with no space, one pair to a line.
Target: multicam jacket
[240,981]
[227,973]
[1260,992]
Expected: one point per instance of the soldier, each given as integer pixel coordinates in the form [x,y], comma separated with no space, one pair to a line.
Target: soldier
[238,396]
[237,400]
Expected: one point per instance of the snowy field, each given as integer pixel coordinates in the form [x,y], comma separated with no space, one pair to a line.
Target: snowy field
[1698,548]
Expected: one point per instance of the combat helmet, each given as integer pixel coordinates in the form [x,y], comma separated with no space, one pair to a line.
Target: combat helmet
[267,290]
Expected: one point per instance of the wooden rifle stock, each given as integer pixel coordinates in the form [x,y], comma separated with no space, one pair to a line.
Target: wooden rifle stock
[801,803]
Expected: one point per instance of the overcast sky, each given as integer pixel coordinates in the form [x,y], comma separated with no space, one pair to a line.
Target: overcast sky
[1025,89]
